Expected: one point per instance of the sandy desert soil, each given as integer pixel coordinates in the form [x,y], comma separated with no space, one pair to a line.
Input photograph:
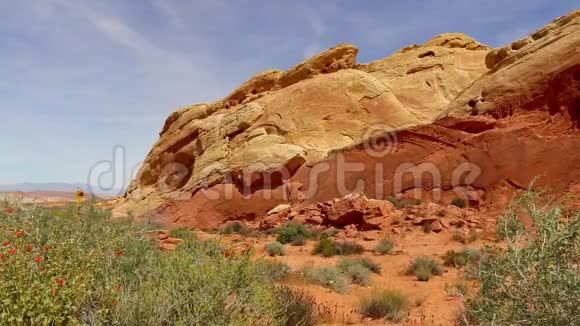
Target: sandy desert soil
[431,304]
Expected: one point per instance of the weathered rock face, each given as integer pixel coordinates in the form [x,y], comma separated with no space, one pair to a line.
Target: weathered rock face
[539,71]
[426,78]
[278,121]
[288,137]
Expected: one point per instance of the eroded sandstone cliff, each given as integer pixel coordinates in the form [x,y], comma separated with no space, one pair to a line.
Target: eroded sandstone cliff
[452,101]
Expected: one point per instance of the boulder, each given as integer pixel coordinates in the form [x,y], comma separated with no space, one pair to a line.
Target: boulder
[278,209]
[348,211]
[436,226]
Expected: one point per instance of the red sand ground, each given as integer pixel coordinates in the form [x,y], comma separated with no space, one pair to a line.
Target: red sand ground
[431,304]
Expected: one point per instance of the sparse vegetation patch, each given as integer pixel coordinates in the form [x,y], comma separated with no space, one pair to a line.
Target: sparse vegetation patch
[294,233]
[275,249]
[385,246]
[328,248]
[390,304]
[424,268]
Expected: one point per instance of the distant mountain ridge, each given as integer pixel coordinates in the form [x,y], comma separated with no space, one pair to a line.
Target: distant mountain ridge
[59,187]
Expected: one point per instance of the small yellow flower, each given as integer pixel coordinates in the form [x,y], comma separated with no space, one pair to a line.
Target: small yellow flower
[80,196]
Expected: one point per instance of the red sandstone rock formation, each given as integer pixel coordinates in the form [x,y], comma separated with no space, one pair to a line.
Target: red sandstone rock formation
[431,120]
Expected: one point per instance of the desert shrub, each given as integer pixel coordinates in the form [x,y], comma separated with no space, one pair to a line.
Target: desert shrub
[329,277]
[298,241]
[297,307]
[273,271]
[461,258]
[402,203]
[77,266]
[459,236]
[236,227]
[275,249]
[370,265]
[348,248]
[535,280]
[328,233]
[358,269]
[191,288]
[465,239]
[390,304]
[364,262]
[509,226]
[328,248]
[272,231]
[459,202]
[473,236]
[292,231]
[325,247]
[462,288]
[182,233]
[424,268]
[385,247]
[423,273]
[357,273]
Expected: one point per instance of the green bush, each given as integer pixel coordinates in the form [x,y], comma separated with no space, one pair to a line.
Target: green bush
[328,248]
[385,247]
[370,265]
[273,271]
[348,248]
[329,277]
[298,307]
[462,288]
[459,202]
[390,304]
[276,249]
[325,247]
[358,274]
[473,236]
[509,226]
[77,266]
[328,233]
[182,233]
[236,227]
[535,280]
[298,241]
[292,231]
[424,268]
[461,258]
[364,262]
[423,273]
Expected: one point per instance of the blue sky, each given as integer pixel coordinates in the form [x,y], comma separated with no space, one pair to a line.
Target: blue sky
[79,77]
